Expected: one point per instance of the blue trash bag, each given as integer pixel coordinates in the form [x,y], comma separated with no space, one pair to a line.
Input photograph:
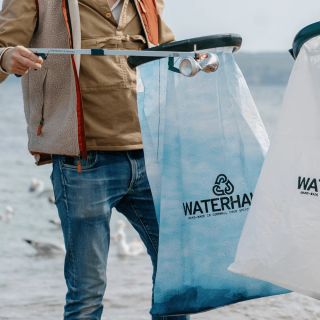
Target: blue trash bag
[204,145]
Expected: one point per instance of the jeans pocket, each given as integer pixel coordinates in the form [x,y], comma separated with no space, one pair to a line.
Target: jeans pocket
[86,164]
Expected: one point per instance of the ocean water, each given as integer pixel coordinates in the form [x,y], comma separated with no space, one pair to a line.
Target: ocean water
[32,286]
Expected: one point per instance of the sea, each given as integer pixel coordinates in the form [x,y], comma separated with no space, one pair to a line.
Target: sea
[32,285]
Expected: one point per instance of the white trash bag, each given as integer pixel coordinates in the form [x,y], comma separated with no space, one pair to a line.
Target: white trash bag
[204,146]
[281,237]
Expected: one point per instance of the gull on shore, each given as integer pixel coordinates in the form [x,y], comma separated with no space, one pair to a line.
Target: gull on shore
[7,215]
[55,222]
[37,186]
[45,248]
[125,248]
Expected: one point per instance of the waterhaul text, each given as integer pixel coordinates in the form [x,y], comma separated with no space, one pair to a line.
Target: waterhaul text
[308,186]
[217,206]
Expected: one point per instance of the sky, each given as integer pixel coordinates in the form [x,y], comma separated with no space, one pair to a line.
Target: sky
[264,25]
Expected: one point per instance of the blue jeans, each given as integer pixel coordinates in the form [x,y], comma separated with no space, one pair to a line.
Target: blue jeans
[84,201]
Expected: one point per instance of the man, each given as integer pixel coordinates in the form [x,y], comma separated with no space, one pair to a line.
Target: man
[82,117]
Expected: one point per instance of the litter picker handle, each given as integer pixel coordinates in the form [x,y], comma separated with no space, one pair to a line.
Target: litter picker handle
[43,52]
[201,43]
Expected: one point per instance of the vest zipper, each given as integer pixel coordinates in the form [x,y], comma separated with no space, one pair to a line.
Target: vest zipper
[41,123]
[79,108]
[137,3]
[40,126]
[142,6]
[143,14]
[81,134]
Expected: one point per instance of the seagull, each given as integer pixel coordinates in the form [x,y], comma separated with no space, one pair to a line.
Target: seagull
[7,215]
[37,187]
[51,199]
[55,222]
[45,248]
[134,248]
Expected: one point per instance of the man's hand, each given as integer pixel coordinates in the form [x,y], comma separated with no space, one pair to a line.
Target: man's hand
[19,60]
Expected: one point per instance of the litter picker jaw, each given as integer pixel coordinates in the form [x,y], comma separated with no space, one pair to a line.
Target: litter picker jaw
[208,63]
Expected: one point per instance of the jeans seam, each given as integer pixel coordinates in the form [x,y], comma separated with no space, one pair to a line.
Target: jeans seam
[144,226]
[69,224]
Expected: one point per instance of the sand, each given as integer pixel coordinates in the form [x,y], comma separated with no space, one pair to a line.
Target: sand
[286,307]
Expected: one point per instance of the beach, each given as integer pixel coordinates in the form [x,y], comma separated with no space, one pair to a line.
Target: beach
[32,285]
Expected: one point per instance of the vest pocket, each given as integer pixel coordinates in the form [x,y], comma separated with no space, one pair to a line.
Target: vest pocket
[41,121]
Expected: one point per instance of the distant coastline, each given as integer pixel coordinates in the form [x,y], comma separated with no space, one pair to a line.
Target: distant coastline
[265,69]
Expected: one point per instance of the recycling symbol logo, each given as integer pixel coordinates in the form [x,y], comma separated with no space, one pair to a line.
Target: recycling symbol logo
[222,186]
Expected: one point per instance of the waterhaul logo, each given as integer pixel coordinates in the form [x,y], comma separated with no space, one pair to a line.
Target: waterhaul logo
[308,186]
[224,201]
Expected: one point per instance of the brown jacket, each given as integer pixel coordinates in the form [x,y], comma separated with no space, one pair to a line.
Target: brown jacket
[55,93]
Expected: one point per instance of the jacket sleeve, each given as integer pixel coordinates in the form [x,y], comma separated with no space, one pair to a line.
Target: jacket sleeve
[165,33]
[18,19]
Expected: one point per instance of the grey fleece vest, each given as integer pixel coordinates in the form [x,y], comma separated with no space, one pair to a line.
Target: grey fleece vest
[50,96]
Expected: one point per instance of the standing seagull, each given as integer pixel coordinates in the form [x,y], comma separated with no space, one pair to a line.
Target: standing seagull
[125,248]
[55,222]
[37,187]
[45,248]
[7,215]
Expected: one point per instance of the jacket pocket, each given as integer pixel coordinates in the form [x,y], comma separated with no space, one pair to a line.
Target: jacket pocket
[100,71]
[108,71]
